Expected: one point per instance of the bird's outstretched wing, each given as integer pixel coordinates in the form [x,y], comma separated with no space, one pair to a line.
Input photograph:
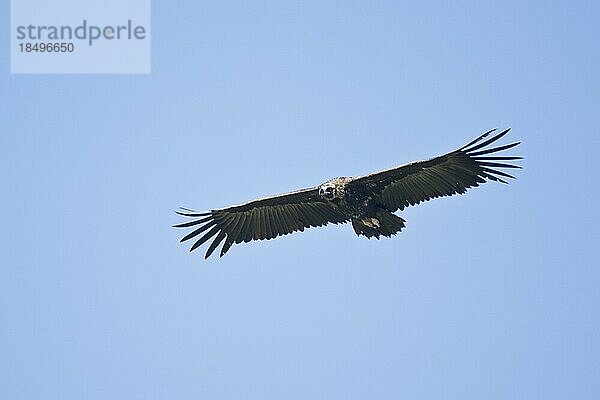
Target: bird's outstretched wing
[260,219]
[446,175]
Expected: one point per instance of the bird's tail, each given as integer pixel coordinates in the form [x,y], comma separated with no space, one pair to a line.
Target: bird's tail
[382,223]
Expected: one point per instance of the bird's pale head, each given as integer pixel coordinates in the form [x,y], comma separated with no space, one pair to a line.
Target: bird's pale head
[327,191]
[333,189]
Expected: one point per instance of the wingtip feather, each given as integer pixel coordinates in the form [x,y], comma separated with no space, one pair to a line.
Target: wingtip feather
[483,136]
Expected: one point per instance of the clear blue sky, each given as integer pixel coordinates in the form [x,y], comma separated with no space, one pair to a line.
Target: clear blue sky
[494,294]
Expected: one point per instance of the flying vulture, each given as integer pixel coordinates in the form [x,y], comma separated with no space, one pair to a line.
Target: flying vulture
[368,201]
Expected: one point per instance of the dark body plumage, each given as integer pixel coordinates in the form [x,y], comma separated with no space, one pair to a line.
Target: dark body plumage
[369,201]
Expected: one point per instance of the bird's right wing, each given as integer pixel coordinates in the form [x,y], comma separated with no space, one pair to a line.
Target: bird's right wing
[261,219]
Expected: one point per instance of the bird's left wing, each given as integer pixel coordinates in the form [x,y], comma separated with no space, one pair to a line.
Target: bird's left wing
[446,175]
[261,219]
